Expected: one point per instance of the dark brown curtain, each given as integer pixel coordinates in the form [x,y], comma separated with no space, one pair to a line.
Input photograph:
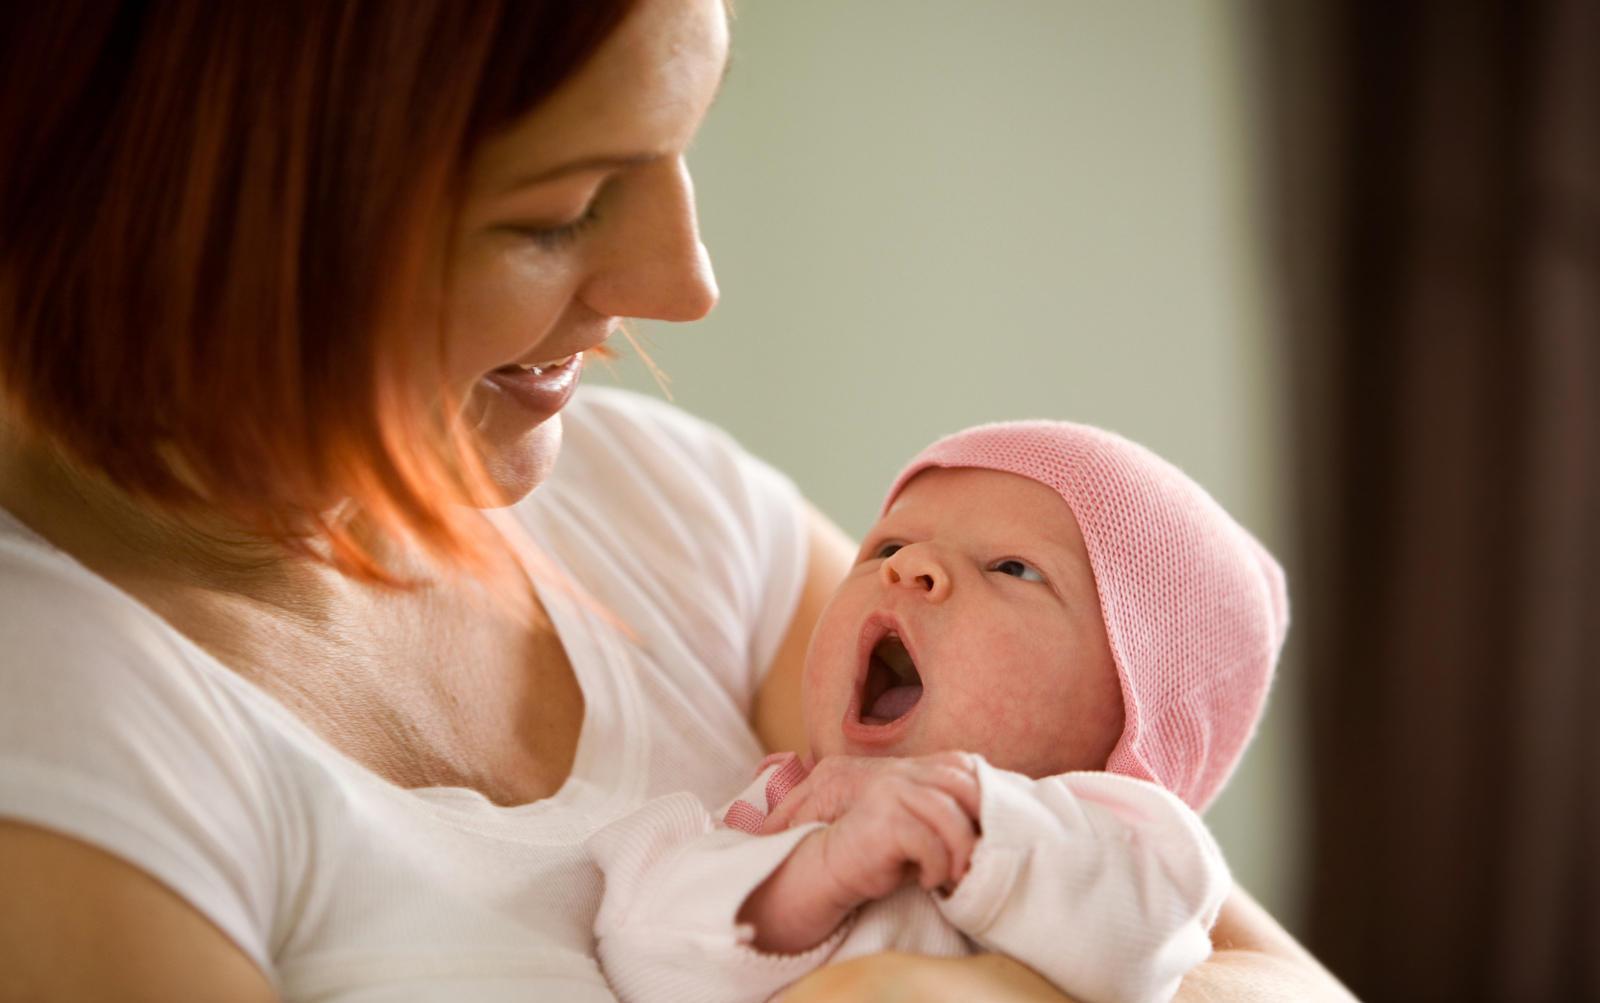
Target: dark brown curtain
[1437,221]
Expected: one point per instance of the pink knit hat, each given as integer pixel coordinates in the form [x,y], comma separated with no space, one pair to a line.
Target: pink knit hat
[1195,609]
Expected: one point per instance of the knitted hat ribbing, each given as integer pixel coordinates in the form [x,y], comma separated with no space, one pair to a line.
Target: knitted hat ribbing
[1195,609]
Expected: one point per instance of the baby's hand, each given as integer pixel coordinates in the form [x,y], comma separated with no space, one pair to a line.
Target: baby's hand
[837,783]
[890,820]
[911,823]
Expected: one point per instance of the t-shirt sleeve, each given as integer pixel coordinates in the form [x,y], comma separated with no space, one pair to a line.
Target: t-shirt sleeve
[715,536]
[108,735]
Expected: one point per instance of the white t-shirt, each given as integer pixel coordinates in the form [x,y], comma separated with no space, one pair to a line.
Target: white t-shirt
[117,730]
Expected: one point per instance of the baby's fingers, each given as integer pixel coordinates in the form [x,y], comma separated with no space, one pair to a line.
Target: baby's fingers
[924,847]
[953,773]
[826,792]
[943,816]
[781,817]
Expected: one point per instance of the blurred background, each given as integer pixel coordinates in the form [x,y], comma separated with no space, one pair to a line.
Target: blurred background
[1341,263]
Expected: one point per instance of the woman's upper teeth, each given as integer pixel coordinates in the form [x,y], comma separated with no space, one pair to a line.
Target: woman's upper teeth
[539,368]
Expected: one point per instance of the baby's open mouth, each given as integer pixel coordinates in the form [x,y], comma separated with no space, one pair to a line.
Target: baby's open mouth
[893,685]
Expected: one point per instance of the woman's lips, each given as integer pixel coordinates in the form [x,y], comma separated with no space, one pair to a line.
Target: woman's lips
[544,392]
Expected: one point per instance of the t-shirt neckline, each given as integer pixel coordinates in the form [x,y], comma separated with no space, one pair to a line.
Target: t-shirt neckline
[588,787]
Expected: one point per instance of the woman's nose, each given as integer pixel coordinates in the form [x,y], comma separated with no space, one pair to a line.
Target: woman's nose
[655,267]
[917,566]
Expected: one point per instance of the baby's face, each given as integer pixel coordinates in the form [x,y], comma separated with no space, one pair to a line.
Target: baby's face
[970,621]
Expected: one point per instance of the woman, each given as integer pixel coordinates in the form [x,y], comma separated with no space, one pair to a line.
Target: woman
[288,294]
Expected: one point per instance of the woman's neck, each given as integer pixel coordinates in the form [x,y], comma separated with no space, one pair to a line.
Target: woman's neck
[122,537]
[200,557]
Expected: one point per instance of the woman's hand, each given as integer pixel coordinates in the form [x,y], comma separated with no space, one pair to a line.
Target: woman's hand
[838,783]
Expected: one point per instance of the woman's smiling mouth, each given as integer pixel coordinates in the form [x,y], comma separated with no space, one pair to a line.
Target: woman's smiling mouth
[543,389]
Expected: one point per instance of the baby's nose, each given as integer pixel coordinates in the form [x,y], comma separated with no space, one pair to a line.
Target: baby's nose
[917,566]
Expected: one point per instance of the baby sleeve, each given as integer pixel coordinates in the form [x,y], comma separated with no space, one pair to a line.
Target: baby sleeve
[1106,885]
[109,736]
[674,882]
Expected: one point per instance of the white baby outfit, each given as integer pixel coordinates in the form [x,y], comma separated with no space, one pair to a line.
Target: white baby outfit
[117,730]
[1104,884]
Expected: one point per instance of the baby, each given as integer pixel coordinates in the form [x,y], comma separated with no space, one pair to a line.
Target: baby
[1047,659]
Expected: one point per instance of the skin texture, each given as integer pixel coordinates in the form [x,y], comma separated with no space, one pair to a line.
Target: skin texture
[78,924]
[987,580]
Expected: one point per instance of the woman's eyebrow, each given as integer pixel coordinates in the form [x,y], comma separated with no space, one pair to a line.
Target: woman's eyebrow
[599,162]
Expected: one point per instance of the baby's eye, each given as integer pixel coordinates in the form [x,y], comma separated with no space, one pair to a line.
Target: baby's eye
[886,550]
[1018,569]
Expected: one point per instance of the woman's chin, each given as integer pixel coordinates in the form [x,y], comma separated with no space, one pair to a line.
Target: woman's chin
[518,463]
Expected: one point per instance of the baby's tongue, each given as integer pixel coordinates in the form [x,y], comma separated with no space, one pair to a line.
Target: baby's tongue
[894,702]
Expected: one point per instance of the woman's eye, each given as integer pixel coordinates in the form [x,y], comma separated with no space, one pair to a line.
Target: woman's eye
[554,237]
[1018,569]
[887,550]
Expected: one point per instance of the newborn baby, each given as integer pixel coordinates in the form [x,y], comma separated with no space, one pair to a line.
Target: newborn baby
[1048,657]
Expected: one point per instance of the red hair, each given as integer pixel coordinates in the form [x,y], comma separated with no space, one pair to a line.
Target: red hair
[219,221]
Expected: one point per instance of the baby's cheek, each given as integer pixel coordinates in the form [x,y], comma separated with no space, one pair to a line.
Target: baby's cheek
[1013,710]
[990,714]
[827,683]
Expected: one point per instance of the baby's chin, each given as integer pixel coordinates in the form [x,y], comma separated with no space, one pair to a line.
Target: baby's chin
[1035,766]
[838,745]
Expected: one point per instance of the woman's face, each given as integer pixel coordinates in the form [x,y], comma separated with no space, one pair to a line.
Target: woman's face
[578,216]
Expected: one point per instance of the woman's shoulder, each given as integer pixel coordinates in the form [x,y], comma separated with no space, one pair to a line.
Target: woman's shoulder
[89,676]
[52,608]
[113,733]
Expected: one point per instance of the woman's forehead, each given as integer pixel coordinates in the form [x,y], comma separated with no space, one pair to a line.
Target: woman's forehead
[645,91]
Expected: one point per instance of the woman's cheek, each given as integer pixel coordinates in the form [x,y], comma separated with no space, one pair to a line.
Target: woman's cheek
[502,307]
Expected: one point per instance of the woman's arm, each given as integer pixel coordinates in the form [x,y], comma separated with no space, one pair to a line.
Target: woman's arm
[776,717]
[1255,961]
[80,924]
